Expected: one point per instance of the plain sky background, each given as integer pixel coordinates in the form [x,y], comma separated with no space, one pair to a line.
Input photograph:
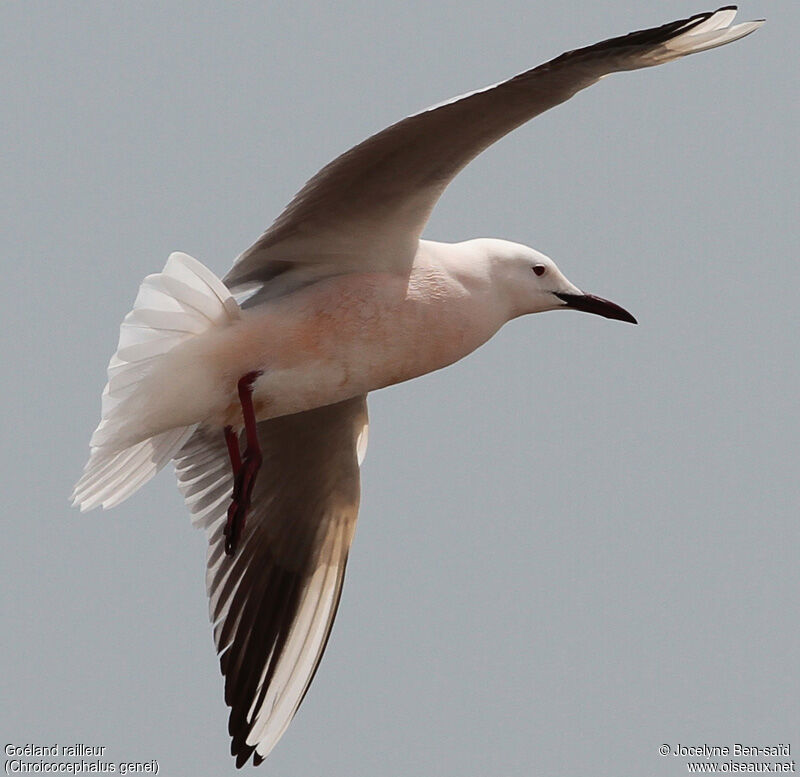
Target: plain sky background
[574,546]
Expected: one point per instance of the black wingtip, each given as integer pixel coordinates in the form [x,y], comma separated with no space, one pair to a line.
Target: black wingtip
[242,752]
[652,36]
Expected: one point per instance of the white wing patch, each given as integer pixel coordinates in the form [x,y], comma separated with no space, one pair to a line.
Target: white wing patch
[714,31]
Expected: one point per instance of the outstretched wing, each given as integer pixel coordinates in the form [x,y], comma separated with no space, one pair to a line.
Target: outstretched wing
[273,603]
[367,208]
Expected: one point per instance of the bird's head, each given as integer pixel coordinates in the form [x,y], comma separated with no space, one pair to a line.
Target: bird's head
[533,283]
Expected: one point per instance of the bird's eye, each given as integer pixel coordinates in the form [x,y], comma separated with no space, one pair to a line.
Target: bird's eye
[539,269]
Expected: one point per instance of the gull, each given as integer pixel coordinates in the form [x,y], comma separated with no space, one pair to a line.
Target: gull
[255,385]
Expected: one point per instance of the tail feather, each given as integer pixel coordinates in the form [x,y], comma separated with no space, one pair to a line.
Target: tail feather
[110,478]
[184,300]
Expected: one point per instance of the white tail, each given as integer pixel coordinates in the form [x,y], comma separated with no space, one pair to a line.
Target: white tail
[182,301]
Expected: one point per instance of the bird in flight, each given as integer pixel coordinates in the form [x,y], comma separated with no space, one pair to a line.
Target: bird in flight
[255,385]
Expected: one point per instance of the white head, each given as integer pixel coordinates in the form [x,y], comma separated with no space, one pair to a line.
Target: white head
[531,283]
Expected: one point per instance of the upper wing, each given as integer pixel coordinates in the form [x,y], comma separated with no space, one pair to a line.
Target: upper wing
[368,207]
[273,603]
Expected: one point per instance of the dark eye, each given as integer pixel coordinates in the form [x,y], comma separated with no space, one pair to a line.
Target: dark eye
[539,269]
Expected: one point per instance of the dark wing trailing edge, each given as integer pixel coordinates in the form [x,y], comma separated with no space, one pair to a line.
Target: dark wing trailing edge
[273,603]
[379,194]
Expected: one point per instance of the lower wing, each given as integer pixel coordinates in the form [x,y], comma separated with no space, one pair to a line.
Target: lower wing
[273,603]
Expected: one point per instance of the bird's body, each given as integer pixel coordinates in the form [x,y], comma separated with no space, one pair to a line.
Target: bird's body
[351,334]
[345,298]
[341,337]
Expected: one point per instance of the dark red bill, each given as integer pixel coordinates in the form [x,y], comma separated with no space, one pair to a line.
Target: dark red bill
[588,303]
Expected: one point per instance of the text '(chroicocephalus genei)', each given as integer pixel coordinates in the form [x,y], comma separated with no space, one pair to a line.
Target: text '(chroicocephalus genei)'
[344,298]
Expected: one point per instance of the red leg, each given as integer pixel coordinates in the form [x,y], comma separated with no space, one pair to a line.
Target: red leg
[245,387]
[244,468]
[232,441]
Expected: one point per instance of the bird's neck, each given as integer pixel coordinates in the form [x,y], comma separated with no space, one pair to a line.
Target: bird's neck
[471,271]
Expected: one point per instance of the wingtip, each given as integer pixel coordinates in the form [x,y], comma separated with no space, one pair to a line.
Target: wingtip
[746,28]
[240,750]
[735,8]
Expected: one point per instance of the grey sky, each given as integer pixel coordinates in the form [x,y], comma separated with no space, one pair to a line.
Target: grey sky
[574,546]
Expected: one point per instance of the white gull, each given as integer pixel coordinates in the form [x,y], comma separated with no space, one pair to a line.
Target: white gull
[345,298]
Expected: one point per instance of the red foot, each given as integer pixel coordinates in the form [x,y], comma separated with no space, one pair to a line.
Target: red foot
[244,468]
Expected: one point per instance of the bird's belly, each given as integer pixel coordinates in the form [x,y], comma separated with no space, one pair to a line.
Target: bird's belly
[349,338]
[356,367]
